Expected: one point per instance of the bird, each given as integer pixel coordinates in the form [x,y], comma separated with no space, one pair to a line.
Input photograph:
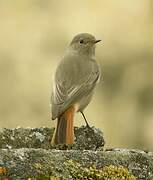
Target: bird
[74,82]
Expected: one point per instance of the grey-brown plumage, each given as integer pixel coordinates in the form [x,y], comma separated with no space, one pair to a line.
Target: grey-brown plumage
[75,77]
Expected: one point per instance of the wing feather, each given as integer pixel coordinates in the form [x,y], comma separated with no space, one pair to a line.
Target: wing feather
[68,91]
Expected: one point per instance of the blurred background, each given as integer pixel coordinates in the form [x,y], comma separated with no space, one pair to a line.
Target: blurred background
[34,35]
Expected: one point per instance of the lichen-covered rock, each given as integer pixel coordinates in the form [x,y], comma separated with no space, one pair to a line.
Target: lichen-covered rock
[85,138]
[88,138]
[26,154]
[111,172]
[42,164]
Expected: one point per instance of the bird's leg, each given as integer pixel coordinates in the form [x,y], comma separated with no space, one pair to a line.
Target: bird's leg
[85,119]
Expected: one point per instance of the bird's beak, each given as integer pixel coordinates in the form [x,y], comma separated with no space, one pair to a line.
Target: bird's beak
[96,41]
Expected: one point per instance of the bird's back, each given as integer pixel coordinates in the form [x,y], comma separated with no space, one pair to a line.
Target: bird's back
[74,76]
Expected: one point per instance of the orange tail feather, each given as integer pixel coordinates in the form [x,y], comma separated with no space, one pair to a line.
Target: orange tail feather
[64,131]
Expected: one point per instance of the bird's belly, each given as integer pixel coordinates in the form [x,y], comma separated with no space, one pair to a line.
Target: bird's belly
[83,102]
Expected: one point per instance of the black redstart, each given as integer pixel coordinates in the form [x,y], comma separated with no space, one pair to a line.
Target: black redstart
[74,81]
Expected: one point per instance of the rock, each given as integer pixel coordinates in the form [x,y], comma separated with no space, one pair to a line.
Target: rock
[85,138]
[27,154]
[32,163]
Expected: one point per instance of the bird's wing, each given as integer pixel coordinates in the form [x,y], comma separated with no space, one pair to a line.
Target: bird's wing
[71,85]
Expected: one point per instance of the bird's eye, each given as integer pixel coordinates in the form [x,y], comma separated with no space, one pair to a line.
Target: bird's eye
[81,41]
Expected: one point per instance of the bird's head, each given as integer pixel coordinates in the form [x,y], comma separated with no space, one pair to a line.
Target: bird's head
[84,43]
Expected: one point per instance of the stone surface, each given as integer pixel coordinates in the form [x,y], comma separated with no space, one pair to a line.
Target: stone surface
[27,154]
[27,163]
[85,138]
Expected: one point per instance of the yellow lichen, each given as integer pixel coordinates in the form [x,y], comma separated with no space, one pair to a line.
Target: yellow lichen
[53,178]
[106,173]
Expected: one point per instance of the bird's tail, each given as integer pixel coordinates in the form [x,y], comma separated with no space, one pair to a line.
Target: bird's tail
[64,131]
